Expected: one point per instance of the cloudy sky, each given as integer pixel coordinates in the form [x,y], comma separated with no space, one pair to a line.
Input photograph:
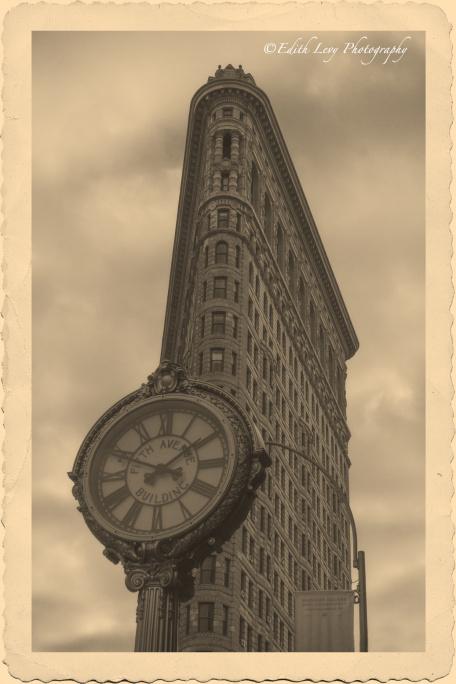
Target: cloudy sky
[109,124]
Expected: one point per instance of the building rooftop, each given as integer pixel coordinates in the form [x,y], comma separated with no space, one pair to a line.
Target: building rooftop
[231,72]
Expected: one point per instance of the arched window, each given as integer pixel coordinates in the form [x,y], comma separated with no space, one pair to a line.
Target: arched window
[221,253]
[254,186]
[207,570]
[291,272]
[267,217]
[280,247]
[226,146]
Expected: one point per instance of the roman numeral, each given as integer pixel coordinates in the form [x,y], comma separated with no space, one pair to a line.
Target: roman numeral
[211,463]
[157,518]
[203,488]
[166,423]
[142,433]
[121,453]
[190,423]
[131,515]
[202,441]
[185,512]
[116,497]
[112,477]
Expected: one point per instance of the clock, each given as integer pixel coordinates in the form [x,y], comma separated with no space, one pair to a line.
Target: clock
[166,475]
[160,468]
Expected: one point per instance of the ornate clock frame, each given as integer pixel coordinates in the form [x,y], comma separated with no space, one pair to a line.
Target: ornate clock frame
[161,570]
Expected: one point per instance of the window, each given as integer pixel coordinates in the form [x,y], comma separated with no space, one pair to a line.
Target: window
[226,572]
[221,253]
[203,326]
[244,540]
[235,326]
[254,186]
[321,343]
[249,638]
[250,594]
[220,287]
[227,146]
[223,217]
[331,365]
[237,259]
[206,257]
[243,581]
[227,112]
[187,619]
[242,629]
[290,641]
[200,368]
[236,291]
[257,287]
[261,564]
[225,614]
[238,221]
[313,324]
[225,181]
[204,290]
[276,626]
[217,358]
[218,322]
[208,222]
[260,643]
[205,617]
[302,299]
[207,570]
[233,363]
[267,217]
[291,272]
[280,250]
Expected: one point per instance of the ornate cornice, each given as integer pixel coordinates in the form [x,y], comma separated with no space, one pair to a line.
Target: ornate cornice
[258,102]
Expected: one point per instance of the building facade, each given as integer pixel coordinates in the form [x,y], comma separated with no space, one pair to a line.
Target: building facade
[253,306]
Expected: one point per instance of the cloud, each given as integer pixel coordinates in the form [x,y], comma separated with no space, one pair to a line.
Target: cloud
[109,128]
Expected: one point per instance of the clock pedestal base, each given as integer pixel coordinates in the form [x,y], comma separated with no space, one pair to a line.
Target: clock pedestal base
[157,619]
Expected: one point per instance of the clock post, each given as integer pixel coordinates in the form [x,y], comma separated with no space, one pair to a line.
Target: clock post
[162,479]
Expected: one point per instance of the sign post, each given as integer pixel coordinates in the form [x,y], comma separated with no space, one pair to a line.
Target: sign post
[363,640]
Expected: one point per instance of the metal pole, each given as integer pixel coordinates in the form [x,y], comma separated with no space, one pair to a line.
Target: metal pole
[363,640]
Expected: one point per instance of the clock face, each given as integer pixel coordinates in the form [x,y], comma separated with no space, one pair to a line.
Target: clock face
[161,468]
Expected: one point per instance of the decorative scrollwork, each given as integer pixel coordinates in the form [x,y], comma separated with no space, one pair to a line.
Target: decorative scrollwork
[136,579]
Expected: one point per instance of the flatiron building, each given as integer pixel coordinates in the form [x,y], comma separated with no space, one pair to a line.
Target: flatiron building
[254,307]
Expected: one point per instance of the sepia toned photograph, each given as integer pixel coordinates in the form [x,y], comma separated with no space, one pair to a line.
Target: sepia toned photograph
[228,341]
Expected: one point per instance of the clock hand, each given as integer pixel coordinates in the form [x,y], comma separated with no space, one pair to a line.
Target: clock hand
[135,460]
[149,478]
[181,453]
